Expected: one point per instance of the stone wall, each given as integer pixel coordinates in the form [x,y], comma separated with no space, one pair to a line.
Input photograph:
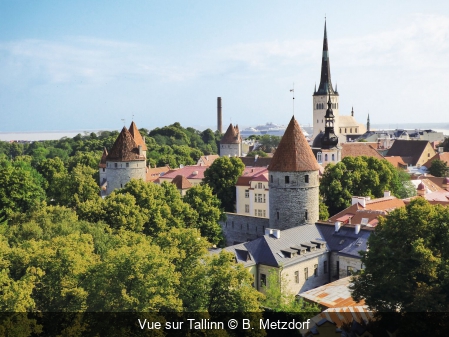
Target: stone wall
[291,201]
[231,150]
[117,177]
[242,228]
[346,261]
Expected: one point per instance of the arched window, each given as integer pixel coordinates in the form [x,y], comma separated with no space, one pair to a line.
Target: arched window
[351,130]
[318,157]
[325,157]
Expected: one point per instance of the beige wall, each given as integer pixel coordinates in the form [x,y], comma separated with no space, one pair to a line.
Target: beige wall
[345,262]
[255,208]
[428,153]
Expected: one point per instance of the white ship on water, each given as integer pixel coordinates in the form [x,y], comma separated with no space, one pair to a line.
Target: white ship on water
[268,129]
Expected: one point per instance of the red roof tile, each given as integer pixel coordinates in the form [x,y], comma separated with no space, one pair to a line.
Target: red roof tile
[231,136]
[181,182]
[103,159]
[124,148]
[293,153]
[359,149]
[155,172]
[136,135]
[441,156]
[189,172]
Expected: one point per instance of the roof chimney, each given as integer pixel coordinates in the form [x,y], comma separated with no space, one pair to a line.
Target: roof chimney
[362,201]
[337,226]
[387,194]
[277,233]
[219,115]
[355,200]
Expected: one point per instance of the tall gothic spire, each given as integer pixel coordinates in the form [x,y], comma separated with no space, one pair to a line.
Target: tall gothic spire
[325,81]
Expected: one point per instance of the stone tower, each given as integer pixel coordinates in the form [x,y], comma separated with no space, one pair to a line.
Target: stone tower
[126,160]
[320,96]
[293,181]
[231,143]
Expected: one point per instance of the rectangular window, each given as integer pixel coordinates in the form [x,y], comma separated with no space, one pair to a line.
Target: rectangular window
[264,213]
[338,269]
[277,215]
[325,267]
[255,212]
[259,212]
[263,280]
[306,273]
[315,270]
[271,178]
[127,164]
[246,208]
[259,185]
[287,179]
[246,193]
[115,164]
[103,169]
[297,276]
[306,178]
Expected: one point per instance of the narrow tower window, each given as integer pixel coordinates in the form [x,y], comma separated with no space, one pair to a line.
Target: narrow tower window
[287,179]
[271,178]
[306,178]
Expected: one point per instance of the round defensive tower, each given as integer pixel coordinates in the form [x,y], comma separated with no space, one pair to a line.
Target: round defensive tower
[293,181]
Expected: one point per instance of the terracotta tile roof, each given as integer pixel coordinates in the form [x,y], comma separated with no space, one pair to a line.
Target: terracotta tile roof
[102,163]
[137,136]
[232,135]
[408,148]
[293,153]
[441,156]
[249,174]
[155,172]
[358,149]
[189,172]
[207,160]
[181,182]
[374,208]
[396,161]
[256,162]
[124,148]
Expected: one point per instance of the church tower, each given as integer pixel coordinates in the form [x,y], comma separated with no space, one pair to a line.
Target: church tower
[293,181]
[320,96]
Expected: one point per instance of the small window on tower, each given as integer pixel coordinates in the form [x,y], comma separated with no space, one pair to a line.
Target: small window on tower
[127,164]
[306,215]
[277,215]
[306,178]
[271,178]
[287,179]
[115,165]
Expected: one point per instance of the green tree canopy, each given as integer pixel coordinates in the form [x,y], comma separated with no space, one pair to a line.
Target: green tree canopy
[222,176]
[407,262]
[362,176]
[439,168]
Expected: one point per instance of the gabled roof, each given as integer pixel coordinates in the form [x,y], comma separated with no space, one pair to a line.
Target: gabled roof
[155,172]
[208,160]
[293,153]
[102,163]
[249,174]
[181,182]
[444,156]
[136,135]
[124,148]
[189,172]
[256,162]
[408,148]
[358,149]
[232,135]
[396,161]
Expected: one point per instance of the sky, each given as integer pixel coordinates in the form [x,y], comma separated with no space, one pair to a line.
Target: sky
[89,65]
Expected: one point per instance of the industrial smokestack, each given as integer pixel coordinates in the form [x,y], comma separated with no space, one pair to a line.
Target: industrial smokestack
[219,128]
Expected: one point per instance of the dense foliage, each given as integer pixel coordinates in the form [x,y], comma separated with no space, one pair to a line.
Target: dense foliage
[222,176]
[406,266]
[439,168]
[361,176]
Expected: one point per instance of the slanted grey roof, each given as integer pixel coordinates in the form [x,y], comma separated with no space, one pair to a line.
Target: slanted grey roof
[268,249]
[345,241]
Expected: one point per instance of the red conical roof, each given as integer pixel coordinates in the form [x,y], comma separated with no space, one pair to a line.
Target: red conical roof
[231,136]
[124,148]
[136,135]
[103,159]
[293,153]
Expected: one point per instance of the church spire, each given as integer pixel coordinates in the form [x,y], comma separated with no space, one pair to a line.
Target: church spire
[368,124]
[325,81]
[329,140]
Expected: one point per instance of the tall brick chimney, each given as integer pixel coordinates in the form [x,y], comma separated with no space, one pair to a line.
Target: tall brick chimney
[219,115]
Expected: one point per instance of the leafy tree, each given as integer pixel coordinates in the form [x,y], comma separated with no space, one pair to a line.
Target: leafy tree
[207,205]
[445,144]
[279,299]
[411,276]
[21,188]
[323,211]
[222,176]
[269,143]
[366,176]
[439,168]
[229,286]
[257,153]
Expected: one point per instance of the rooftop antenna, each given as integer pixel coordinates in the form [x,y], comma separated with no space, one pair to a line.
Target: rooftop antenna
[123,120]
[293,93]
